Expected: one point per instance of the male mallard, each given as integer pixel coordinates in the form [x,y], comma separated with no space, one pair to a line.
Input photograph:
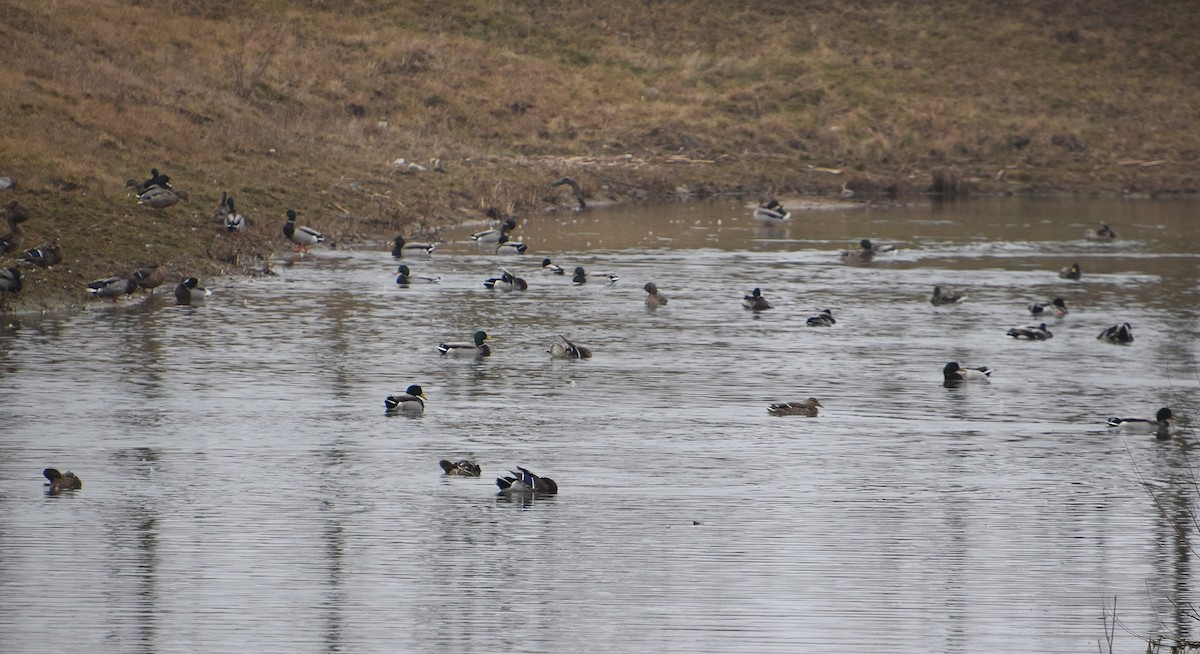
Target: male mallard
[1031,332]
[506,282]
[463,468]
[403,248]
[10,280]
[1161,424]
[955,373]
[412,400]
[405,277]
[525,481]
[551,268]
[581,276]
[866,251]
[47,255]
[806,408]
[112,287]
[755,301]
[771,213]
[493,235]
[945,296]
[15,213]
[60,482]
[1105,233]
[300,235]
[475,348]
[157,180]
[1073,272]
[505,246]
[1057,305]
[823,319]
[157,197]
[149,277]
[653,297]
[234,221]
[1121,333]
[569,350]
[189,291]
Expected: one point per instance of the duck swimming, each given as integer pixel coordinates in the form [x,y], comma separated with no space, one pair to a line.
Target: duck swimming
[755,301]
[956,373]
[463,468]
[493,235]
[806,408]
[1072,272]
[506,246]
[506,282]
[404,277]
[569,350]
[412,400]
[61,482]
[477,347]
[581,276]
[771,213]
[1057,305]
[403,248]
[1031,332]
[823,319]
[653,297]
[1104,233]
[525,481]
[189,292]
[551,268]
[1122,334]
[945,296]
[1161,424]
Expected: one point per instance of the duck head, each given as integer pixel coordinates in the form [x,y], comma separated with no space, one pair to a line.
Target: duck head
[480,337]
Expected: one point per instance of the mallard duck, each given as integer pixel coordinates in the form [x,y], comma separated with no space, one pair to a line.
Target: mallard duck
[581,276]
[946,296]
[112,287]
[1057,305]
[1161,424]
[403,248]
[1031,332]
[1072,272]
[493,235]
[45,256]
[158,197]
[551,268]
[412,400]
[956,373]
[475,348]
[405,277]
[189,291]
[463,468]
[15,213]
[525,481]
[300,235]
[1121,333]
[823,319]
[149,277]
[866,251]
[806,408]
[771,213]
[755,301]
[222,209]
[506,282]
[234,221]
[505,246]
[1104,233]
[653,297]
[10,281]
[569,350]
[59,482]
[857,256]
[157,179]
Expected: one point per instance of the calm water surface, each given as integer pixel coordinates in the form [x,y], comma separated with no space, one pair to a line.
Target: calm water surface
[244,491]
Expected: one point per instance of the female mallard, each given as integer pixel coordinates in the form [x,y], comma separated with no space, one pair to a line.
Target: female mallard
[189,291]
[505,246]
[10,281]
[60,482]
[403,248]
[1121,333]
[569,350]
[1031,332]
[1057,305]
[475,348]
[581,276]
[149,277]
[300,235]
[525,481]
[1161,424]
[1104,233]
[50,254]
[234,221]
[15,213]
[806,408]
[823,319]
[158,197]
[1073,272]
[404,277]
[551,268]
[653,297]
[412,400]
[771,213]
[506,282]
[112,287]
[493,235]
[956,373]
[945,296]
[755,301]
[463,468]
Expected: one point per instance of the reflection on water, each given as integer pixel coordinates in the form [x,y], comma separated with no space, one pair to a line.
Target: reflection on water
[243,488]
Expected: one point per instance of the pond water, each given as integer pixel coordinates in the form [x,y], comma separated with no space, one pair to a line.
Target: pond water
[245,491]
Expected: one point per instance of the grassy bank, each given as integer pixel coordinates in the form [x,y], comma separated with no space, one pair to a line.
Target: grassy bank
[308,105]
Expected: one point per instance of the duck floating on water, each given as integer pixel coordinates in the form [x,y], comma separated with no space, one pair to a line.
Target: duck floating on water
[403,248]
[1121,334]
[525,481]
[404,277]
[956,373]
[506,246]
[476,347]
[1057,305]
[506,282]
[771,213]
[653,297]
[755,301]
[1031,332]
[412,400]
[463,468]
[551,268]
[566,349]
[303,237]
[59,481]
[189,292]
[806,408]
[1071,272]
[493,235]
[1160,425]
[582,276]
[943,296]
[1104,233]
[822,319]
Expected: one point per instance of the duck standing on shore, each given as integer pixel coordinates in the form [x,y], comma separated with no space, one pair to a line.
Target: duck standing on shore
[302,236]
